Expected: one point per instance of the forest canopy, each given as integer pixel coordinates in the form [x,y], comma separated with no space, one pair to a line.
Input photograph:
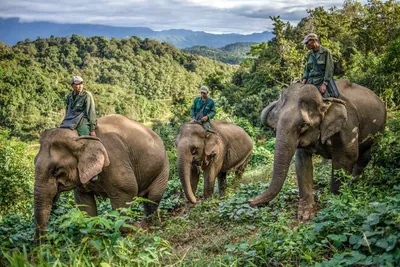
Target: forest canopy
[140,79]
[364,41]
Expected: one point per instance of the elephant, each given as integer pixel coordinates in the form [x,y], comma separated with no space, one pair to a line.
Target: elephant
[227,148]
[128,158]
[339,129]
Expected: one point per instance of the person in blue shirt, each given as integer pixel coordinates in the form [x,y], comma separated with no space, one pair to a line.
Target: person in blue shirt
[203,109]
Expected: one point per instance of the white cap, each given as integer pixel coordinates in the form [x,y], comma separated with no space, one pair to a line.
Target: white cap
[204,89]
[76,80]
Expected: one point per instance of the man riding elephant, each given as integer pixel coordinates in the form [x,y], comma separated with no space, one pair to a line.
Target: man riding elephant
[203,109]
[319,65]
[80,112]
[339,129]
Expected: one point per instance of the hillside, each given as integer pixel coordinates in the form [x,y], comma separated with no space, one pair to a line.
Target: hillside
[133,77]
[230,54]
[13,31]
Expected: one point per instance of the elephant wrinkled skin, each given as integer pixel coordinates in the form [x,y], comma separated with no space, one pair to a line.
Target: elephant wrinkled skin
[129,159]
[232,146]
[337,129]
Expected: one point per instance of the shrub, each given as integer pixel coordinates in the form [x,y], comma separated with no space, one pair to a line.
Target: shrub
[384,167]
[16,175]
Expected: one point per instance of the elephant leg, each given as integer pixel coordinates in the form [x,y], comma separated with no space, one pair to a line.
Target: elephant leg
[85,202]
[155,192]
[304,171]
[341,160]
[240,171]
[121,200]
[209,181]
[221,183]
[362,162]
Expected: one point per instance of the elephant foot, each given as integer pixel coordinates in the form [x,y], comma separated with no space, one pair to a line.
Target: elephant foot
[306,211]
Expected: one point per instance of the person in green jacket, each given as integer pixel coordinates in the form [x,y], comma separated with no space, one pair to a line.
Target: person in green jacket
[203,109]
[80,111]
[323,57]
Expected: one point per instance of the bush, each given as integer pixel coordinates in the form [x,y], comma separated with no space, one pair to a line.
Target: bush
[384,167]
[16,175]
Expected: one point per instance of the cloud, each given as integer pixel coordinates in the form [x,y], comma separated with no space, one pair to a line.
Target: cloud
[217,16]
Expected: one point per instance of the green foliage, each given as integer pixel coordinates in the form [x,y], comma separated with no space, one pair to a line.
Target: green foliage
[83,240]
[363,39]
[125,76]
[16,175]
[230,54]
[237,208]
[385,164]
[369,227]
[263,154]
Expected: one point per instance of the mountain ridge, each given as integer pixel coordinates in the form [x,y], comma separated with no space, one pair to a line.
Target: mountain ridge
[13,31]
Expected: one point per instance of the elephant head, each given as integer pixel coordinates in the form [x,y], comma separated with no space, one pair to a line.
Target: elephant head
[301,118]
[195,147]
[64,162]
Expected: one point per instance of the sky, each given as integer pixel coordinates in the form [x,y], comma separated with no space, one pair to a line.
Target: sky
[213,16]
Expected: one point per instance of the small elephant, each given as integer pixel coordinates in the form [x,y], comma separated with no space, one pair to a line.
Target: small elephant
[335,128]
[129,159]
[227,149]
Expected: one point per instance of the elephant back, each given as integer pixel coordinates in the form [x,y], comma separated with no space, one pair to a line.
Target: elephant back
[233,134]
[366,105]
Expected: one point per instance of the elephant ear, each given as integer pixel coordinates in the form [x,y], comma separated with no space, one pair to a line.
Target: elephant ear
[212,144]
[268,115]
[92,159]
[334,119]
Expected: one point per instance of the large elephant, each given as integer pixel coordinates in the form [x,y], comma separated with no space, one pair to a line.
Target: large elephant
[232,147]
[129,159]
[338,129]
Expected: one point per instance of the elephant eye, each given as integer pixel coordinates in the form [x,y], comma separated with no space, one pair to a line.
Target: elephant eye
[56,171]
[193,150]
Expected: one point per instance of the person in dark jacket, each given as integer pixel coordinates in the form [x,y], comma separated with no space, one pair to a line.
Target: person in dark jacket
[320,55]
[80,111]
[203,109]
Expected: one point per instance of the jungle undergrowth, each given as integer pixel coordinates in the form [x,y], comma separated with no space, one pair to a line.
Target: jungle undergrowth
[360,226]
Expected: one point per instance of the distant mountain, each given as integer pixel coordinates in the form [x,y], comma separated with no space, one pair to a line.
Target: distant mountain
[231,54]
[13,31]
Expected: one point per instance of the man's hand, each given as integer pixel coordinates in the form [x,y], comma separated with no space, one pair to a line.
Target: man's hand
[193,121]
[322,89]
[304,81]
[92,133]
[205,118]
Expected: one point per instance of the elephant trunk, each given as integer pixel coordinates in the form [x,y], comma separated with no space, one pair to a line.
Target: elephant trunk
[43,201]
[184,167]
[284,151]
